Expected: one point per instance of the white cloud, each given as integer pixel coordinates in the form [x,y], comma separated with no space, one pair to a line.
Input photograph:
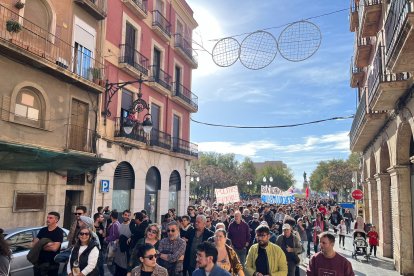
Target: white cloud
[325,143]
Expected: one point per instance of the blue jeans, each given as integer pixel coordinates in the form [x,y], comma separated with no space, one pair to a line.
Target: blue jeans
[242,255]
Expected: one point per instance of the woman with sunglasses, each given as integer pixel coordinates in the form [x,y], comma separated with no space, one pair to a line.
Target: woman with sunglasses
[84,256]
[227,258]
[152,237]
[148,258]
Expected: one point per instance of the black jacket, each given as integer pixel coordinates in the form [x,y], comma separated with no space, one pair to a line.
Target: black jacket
[83,258]
[190,235]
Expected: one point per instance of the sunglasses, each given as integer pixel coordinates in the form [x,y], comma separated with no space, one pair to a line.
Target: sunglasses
[153,231]
[171,230]
[150,257]
[83,233]
[79,214]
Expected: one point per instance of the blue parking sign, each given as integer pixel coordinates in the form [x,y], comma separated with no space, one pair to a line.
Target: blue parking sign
[104,186]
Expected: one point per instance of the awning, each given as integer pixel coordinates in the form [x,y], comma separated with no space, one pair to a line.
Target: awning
[18,157]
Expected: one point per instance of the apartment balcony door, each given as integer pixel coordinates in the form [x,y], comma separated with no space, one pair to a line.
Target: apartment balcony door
[177,80]
[155,117]
[78,127]
[176,132]
[156,62]
[130,44]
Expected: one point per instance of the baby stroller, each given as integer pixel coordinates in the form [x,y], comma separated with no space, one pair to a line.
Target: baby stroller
[360,245]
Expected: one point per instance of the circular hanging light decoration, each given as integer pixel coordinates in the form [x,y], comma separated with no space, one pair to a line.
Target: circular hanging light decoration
[226,52]
[299,41]
[258,50]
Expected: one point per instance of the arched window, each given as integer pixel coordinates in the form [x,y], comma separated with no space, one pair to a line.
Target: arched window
[174,187]
[152,186]
[39,13]
[29,108]
[124,182]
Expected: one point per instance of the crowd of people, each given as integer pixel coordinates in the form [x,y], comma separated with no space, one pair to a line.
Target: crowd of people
[246,238]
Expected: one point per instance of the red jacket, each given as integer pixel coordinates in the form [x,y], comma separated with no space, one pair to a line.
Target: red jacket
[373,238]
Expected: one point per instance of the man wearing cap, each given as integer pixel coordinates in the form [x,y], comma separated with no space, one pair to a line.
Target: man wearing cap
[264,257]
[291,246]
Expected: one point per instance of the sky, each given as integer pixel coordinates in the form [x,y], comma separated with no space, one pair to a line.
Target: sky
[282,93]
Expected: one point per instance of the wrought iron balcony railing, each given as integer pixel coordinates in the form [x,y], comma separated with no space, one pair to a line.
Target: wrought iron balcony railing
[358,119]
[185,94]
[134,58]
[372,16]
[184,147]
[161,77]
[142,5]
[353,16]
[185,46]
[81,138]
[97,8]
[137,133]
[394,23]
[47,47]
[158,20]
[160,139]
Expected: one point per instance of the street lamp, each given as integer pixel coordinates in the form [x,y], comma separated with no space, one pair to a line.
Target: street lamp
[249,182]
[138,106]
[265,179]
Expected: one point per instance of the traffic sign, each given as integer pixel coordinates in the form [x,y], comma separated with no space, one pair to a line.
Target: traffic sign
[104,186]
[357,194]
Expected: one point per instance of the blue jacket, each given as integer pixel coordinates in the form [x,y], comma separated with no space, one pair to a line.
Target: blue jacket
[216,271]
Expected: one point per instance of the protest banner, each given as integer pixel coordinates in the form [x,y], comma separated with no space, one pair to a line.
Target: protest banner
[227,195]
[274,195]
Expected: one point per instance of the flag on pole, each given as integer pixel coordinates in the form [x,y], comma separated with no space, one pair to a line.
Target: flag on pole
[307,192]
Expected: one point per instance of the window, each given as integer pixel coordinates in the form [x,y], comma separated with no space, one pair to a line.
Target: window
[177,80]
[83,58]
[28,108]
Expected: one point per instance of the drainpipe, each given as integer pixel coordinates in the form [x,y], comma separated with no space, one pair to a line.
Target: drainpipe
[168,70]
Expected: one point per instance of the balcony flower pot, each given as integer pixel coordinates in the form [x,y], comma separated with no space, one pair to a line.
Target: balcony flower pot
[95,75]
[13,26]
[19,5]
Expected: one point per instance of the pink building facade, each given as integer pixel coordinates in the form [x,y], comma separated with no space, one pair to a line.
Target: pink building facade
[149,40]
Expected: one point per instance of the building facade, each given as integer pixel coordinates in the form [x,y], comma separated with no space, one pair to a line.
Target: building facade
[151,41]
[52,79]
[382,130]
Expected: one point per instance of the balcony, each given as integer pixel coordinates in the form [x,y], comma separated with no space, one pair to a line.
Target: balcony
[132,61]
[161,25]
[32,45]
[357,75]
[185,50]
[160,139]
[160,80]
[185,96]
[139,7]
[80,139]
[136,137]
[96,8]
[353,16]
[369,17]
[384,89]
[365,126]
[399,36]
[362,51]
[184,147]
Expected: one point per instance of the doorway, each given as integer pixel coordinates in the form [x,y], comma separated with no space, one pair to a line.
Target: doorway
[72,200]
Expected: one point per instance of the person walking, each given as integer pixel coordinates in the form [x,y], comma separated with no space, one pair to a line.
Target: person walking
[264,257]
[84,256]
[207,256]
[172,250]
[373,240]
[227,256]
[327,261]
[239,234]
[148,263]
[348,220]
[318,227]
[301,230]
[5,255]
[291,246]
[342,231]
[309,234]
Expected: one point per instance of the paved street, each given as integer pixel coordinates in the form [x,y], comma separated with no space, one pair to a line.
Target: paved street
[376,266]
